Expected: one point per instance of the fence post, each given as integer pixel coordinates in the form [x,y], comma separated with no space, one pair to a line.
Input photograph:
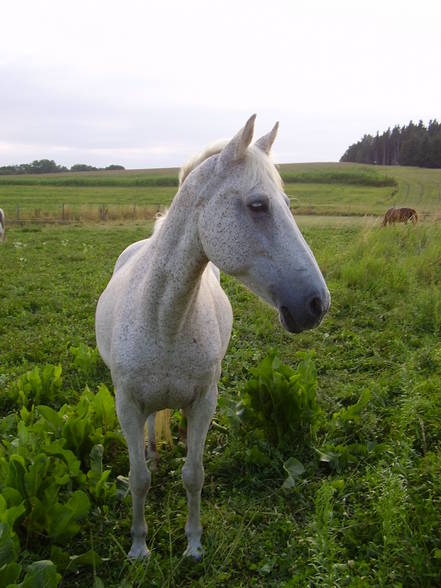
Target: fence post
[134,211]
[18,213]
[62,212]
[103,212]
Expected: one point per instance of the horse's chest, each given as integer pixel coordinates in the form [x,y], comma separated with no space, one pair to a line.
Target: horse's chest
[162,372]
[191,356]
[175,377]
[167,357]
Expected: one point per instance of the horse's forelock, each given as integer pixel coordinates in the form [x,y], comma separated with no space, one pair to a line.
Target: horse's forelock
[261,161]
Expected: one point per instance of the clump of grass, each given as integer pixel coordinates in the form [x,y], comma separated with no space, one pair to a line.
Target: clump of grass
[400,264]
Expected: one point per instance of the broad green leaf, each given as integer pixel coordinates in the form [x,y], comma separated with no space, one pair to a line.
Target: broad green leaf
[105,408]
[56,448]
[8,545]
[36,474]
[60,522]
[10,515]
[60,557]
[79,503]
[41,574]
[294,467]
[52,417]
[12,496]
[38,516]
[89,558]
[16,477]
[96,459]
[62,518]
[9,574]
[122,487]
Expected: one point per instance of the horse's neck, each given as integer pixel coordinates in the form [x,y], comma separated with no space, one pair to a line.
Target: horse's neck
[176,267]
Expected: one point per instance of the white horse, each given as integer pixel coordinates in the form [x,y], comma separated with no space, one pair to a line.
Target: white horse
[164,322]
[2,225]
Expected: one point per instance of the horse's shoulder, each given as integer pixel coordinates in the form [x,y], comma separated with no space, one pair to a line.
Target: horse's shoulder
[128,253]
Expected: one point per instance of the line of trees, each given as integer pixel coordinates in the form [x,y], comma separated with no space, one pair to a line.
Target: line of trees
[413,144]
[48,166]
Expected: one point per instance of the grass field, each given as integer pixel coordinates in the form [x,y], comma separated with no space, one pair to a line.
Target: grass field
[365,507]
[325,189]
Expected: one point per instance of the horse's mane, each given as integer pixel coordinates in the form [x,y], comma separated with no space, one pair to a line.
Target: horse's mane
[197,159]
[258,160]
[160,218]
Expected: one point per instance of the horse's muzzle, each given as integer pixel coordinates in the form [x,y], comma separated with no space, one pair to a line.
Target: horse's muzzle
[296,319]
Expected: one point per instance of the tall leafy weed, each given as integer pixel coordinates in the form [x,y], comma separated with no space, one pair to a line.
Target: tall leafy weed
[282,401]
[38,386]
[85,358]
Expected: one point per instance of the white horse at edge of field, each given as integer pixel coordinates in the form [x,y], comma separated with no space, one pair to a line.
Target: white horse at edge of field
[163,322]
[2,225]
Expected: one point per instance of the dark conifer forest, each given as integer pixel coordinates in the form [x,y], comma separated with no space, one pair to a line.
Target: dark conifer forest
[413,144]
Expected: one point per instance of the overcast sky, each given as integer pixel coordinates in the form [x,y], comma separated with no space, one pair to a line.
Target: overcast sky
[149,83]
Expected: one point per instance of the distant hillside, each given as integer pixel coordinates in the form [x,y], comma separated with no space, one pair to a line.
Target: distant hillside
[415,145]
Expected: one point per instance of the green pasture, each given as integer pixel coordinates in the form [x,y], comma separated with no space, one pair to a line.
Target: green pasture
[356,503]
[418,188]
[323,189]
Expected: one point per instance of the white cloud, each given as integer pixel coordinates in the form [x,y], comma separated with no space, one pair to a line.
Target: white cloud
[151,82]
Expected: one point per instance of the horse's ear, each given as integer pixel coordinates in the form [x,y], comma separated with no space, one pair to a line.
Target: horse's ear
[266,142]
[235,149]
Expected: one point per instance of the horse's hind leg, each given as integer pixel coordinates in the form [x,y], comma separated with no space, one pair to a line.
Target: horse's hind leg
[132,423]
[198,420]
[152,453]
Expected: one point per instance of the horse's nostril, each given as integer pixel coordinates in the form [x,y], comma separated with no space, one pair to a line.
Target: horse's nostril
[316,307]
[287,315]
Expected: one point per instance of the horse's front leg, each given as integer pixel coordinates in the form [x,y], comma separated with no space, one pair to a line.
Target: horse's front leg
[198,420]
[132,424]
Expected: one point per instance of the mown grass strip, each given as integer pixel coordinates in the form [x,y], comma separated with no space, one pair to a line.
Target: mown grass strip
[148,179]
[352,178]
[85,181]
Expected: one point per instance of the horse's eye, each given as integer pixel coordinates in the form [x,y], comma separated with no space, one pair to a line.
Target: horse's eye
[258,206]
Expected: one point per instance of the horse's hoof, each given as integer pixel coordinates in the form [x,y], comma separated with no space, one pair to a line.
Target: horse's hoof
[138,552]
[196,553]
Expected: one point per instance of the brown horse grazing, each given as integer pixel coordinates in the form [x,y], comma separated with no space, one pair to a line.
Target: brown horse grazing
[400,215]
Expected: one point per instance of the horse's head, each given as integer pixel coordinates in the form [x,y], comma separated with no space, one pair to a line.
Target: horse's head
[246,228]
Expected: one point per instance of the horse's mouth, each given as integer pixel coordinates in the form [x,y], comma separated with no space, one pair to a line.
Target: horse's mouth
[294,326]
[288,321]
